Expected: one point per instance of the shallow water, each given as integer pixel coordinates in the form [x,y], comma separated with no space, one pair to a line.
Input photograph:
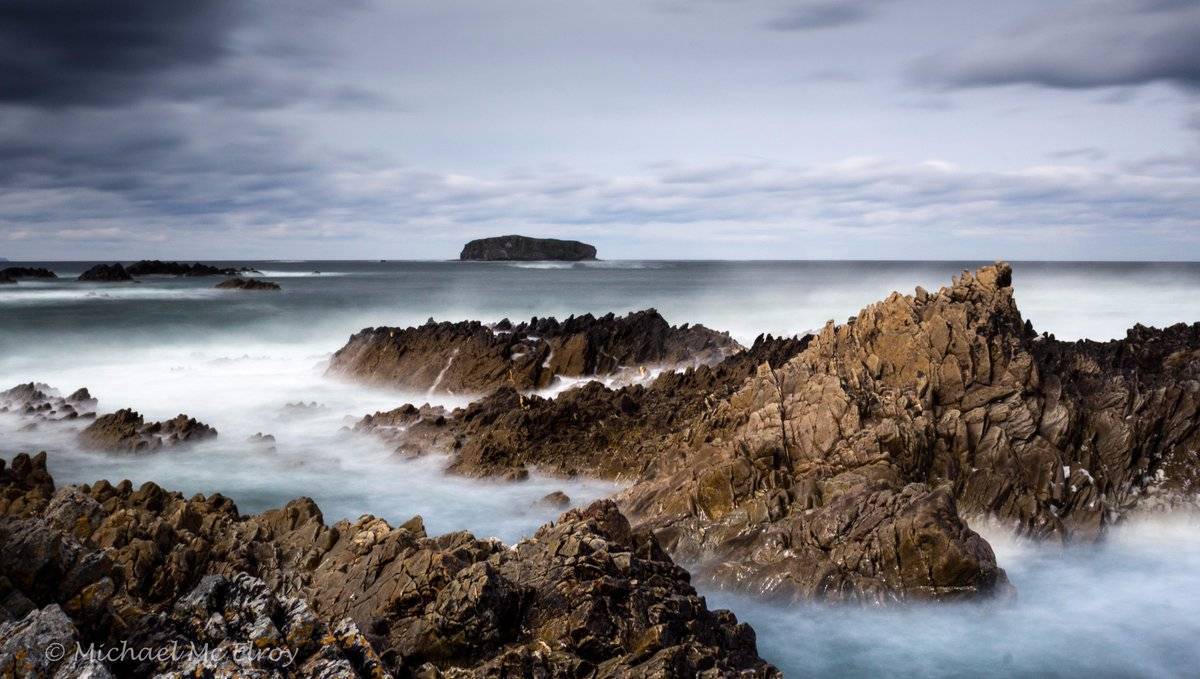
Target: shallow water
[1126,608]
[234,359]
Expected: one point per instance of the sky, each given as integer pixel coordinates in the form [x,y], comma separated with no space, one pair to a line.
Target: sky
[659,129]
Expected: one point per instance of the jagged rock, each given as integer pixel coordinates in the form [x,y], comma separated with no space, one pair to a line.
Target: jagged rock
[471,357]
[17,272]
[7,280]
[247,284]
[919,408]
[106,273]
[28,648]
[587,595]
[842,469]
[158,268]
[524,248]
[126,430]
[41,402]
[590,430]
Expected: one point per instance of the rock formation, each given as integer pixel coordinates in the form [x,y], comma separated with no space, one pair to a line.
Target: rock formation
[102,564]
[127,431]
[155,267]
[841,470]
[17,272]
[106,273]
[238,283]
[524,248]
[41,402]
[470,357]
[7,280]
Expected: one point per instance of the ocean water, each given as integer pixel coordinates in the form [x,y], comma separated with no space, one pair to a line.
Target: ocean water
[235,359]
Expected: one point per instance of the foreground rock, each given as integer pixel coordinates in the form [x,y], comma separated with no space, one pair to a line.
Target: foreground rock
[470,357]
[155,267]
[106,273]
[127,431]
[247,284]
[17,272]
[524,249]
[7,280]
[585,596]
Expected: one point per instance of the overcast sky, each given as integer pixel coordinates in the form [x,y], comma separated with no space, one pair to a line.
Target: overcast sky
[794,129]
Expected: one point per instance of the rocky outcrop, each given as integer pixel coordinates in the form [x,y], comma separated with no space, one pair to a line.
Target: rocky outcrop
[591,430]
[127,431]
[247,284]
[842,470]
[155,267]
[470,357]
[17,272]
[7,280]
[42,403]
[106,273]
[585,596]
[843,473]
[524,248]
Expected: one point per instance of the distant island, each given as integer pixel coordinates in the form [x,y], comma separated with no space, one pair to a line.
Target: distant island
[526,249]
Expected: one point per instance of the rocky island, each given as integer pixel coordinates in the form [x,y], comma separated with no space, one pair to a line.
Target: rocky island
[526,249]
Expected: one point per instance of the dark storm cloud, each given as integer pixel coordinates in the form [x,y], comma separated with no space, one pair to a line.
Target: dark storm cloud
[58,52]
[819,14]
[1095,44]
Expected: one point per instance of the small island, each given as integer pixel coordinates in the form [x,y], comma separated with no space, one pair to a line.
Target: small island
[526,249]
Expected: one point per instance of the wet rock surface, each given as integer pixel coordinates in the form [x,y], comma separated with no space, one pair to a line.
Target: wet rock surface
[585,596]
[247,284]
[106,273]
[127,431]
[524,248]
[470,357]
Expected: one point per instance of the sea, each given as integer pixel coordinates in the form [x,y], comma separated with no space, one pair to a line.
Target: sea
[235,360]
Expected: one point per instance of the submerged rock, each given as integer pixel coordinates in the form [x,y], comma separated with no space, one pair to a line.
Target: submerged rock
[469,357]
[106,273]
[524,248]
[247,284]
[127,431]
[585,596]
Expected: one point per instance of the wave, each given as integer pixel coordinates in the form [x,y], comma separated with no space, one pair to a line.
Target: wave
[113,293]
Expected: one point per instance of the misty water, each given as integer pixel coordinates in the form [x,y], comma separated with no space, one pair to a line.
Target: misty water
[235,360]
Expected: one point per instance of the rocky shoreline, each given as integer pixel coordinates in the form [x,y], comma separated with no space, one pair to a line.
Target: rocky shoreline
[102,564]
[840,467]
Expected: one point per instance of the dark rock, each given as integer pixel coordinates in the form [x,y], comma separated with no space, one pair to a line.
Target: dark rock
[106,273]
[127,431]
[247,284]
[524,248]
[158,268]
[556,499]
[7,280]
[471,357]
[585,596]
[26,272]
[43,403]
